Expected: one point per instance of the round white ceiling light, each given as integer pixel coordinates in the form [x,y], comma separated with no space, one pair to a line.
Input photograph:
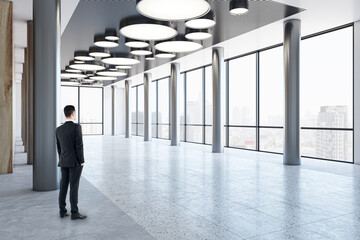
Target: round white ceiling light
[238,7]
[111,34]
[68,69]
[83,56]
[121,59]
[99,52]
[112,73]
[178,44]
[123,67]
[206,21]
[103,78]
[173,10]
[88,66]
[70,83]
[160,54]
[150,57]
[132,43]
[197,34]
[101,41]
[142,28]
[68,75]
[141,51]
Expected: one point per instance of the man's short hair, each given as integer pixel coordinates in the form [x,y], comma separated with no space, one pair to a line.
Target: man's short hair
[68,110]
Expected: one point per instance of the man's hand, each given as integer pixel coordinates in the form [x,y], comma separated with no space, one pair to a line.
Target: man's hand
[82,164]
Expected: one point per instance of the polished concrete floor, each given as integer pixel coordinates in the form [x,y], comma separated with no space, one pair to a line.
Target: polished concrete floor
[149,189]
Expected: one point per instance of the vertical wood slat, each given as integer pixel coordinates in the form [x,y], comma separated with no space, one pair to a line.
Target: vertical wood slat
[6,87]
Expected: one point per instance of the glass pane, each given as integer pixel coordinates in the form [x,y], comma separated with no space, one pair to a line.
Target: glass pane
[163,101]
[182,133]
[327,79]
[133,98]
[181,99]
[163,131]
[133,129]
[89,129]
[153,101]
[194,134]
[208,96]
[140,97]
[91,105]
[153,131]
[194,89]
[242,91]
[242,137]
[140,129]
[208,135]
[333,145]
[271,140]
[272,87]
[69,96]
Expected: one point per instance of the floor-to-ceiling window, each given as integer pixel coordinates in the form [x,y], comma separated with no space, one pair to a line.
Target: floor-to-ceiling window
[163,107]
[181,85]
[208,104]
[133,110]
[140,110]
[327,96]
[88,102]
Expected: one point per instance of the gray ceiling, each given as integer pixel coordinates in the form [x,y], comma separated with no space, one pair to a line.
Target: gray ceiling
[94,16]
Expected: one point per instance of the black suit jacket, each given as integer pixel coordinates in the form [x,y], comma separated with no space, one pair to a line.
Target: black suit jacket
[70,145]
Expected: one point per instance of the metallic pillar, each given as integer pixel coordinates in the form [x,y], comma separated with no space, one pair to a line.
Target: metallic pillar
[174,103]
[218,72]
[147,107]
[127,109]
[292,38]
[113,110]
[46,93]
[356,92]
[30,92]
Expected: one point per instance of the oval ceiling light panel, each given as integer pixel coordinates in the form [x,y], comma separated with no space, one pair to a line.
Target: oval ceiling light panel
[150,57]
[206,21]
[123,67]
[141,51]
[101,41]
[111,34]
[173,10]
[83,56]
[142,28]
[197,34]
[68,69]
[178,45]
[121,59]
[68,75]
[99,52]
[69,83]
[103,78]
[112,73]
[88,66]
[238,7]
[160,54]
[132,43]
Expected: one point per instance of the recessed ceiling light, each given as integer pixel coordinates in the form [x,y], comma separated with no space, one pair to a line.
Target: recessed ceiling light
[179,44]
[174,10]
[77,61]
[83,56]
[197,34]
[108,73]
[68,69]
[206,21]
[123,67]
[132,43]
[99,52]
[238,7]
[103,78]
[68,75]
[121,59]
[160,54]
[141,51]
[142,28]
[88,66]
[101,41]
[111,34]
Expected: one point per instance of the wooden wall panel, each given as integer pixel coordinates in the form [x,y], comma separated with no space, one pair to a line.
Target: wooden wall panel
[6,87]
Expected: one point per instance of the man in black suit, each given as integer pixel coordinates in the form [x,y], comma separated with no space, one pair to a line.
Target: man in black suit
[71,155]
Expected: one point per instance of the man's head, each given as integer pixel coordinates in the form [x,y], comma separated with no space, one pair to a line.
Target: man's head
[69,112]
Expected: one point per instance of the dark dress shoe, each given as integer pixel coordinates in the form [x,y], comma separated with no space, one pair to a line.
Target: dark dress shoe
[78,216]
[62,215]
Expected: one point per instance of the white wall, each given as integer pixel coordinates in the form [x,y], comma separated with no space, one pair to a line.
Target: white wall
[18,110]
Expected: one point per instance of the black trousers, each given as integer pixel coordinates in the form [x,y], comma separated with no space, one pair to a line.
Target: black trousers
[72,176]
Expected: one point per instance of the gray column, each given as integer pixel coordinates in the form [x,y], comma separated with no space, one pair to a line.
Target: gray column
[292,35]
[147,107]
[46,93]
[174,103]
[356,92]
[218,73]
[127,109]
[113,110]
